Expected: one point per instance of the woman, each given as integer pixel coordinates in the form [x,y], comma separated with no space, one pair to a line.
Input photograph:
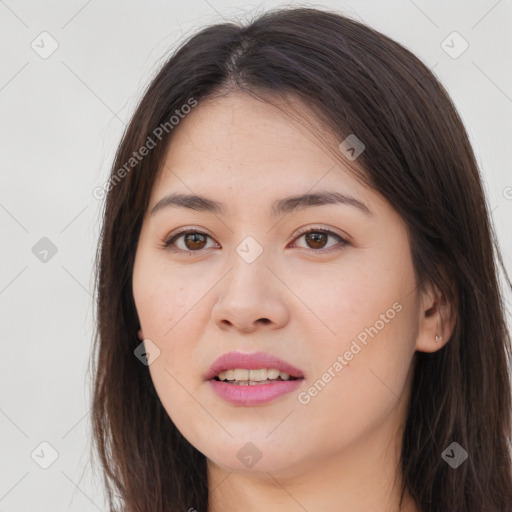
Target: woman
[298,303]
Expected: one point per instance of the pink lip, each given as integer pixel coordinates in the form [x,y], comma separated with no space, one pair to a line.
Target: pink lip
[253,394]
[257,393]
[254,361]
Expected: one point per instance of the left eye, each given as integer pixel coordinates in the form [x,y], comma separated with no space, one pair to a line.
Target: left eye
[318,237]
[195,241]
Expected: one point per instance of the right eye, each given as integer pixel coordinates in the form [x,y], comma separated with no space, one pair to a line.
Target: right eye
[193,241]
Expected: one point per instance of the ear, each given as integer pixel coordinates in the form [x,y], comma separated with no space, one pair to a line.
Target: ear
[437,319]
[140,334]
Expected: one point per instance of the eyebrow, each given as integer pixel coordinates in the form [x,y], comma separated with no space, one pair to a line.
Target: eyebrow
[279,207]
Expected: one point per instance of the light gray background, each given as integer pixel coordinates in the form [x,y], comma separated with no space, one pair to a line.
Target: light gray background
[61,119]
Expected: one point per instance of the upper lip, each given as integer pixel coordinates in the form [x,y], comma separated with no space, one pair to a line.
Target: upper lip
[255,360]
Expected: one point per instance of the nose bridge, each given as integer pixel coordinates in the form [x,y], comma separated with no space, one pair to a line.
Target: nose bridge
[251,249]
[249,264]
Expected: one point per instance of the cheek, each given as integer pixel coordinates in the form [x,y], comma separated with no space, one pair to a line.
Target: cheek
[162,298]
[172,310]
[371,310]
[168,309]
[346,298]
[369,378]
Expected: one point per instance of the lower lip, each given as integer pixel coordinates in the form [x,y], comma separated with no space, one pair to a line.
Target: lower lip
[254,394]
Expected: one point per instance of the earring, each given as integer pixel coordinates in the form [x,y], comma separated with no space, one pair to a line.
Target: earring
[438,338]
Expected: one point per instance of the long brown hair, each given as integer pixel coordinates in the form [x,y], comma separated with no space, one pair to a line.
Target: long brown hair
[418,157]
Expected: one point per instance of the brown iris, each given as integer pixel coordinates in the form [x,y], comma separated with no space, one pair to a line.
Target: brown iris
[316,238]
[196,239]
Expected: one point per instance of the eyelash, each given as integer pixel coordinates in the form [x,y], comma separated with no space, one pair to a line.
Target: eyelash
[171,239]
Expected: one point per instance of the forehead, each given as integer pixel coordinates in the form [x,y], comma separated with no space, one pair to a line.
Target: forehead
[241,127]
[237,141]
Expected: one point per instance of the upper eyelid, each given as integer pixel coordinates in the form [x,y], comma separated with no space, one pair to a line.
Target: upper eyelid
[308,228]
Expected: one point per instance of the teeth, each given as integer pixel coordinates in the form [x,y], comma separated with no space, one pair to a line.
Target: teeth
[241,374]
[249,376]
[273,373]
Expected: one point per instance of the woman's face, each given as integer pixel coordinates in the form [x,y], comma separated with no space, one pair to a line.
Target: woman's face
[339,304]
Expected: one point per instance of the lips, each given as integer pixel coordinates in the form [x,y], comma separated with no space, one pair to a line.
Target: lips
[253,361]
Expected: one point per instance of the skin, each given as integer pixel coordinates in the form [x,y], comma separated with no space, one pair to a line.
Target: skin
[339,451]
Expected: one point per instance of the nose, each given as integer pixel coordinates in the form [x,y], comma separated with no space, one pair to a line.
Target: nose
[250,298]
